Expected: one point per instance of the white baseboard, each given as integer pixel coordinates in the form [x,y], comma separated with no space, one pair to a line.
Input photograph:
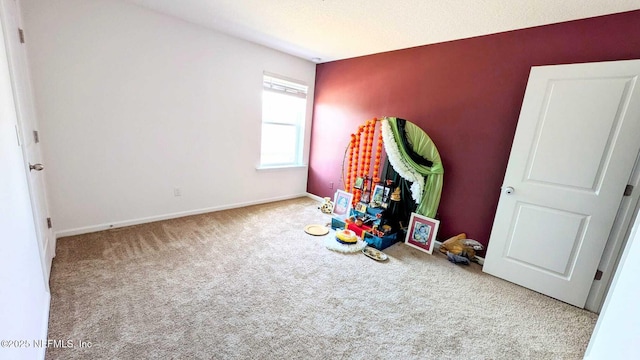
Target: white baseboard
[315,197]
[119,224]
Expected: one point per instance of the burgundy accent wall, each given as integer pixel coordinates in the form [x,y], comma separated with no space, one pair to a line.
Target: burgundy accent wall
[465,94]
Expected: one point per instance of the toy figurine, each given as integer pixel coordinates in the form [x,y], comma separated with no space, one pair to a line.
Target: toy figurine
[327,206]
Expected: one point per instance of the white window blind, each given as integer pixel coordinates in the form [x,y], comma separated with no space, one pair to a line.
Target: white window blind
[275,84]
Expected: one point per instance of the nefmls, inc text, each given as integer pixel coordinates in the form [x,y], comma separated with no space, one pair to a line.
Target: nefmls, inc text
[46,343]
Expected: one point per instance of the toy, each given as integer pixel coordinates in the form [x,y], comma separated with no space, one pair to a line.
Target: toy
[327,206]
[346,237]
[461,246]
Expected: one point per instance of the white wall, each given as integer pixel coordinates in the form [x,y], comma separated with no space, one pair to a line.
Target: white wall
[617,332]
[133,103]
[24,300]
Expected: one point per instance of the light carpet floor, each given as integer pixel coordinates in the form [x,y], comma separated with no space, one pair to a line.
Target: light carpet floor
[250,284]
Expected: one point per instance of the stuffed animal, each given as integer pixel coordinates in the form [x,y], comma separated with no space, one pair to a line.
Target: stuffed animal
[327,206]
[461,246]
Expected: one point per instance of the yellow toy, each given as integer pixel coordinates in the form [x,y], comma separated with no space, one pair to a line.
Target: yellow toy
[346,237]
[460,245]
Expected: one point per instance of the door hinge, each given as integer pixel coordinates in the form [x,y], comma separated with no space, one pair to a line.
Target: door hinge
[598,275]
[628,190]
[21,35]
[49,225]
[36,136]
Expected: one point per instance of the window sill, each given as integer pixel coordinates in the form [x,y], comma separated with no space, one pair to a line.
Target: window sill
[280,167]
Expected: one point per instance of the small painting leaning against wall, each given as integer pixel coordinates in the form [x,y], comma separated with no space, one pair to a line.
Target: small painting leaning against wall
[342,203]
[422,232]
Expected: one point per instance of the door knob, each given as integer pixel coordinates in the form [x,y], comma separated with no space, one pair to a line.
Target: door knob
[509,190]
[36,167]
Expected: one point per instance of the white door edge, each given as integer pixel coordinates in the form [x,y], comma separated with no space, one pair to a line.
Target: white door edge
[629,208]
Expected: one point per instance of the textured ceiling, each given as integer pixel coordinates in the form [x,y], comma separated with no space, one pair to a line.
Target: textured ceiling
[339,29]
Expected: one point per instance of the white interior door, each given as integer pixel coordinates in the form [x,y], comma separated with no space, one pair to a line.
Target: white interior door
[577,139]
[24,300]
[22,91]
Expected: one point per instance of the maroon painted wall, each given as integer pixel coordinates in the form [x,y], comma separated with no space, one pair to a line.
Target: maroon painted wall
[465,94]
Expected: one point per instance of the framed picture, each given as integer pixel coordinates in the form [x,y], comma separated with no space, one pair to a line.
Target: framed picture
[361,207]
[342,203]
[359,183]
[422,232]
[380,194]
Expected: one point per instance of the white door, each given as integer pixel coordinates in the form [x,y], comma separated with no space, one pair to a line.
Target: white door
[16,54]
[577,139]
[24,300]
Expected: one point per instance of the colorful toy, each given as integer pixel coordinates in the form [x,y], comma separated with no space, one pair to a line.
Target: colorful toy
[461,246]
[346,237]
[327,206]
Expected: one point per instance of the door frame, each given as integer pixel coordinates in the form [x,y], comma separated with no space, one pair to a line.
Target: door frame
[620,232]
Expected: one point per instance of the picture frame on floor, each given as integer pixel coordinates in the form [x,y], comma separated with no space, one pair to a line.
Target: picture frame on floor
[422,232]
[342,203]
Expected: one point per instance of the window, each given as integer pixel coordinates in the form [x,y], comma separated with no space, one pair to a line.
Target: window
[284,106]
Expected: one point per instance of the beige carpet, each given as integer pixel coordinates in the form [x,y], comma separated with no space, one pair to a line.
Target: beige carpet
[250,284]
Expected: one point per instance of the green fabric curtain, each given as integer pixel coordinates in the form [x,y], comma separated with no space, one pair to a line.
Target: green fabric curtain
[422,145]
